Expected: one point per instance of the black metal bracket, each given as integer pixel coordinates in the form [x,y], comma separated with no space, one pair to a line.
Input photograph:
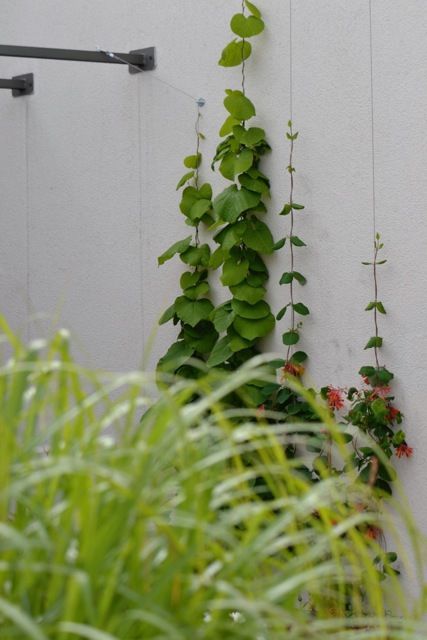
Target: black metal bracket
[20,85]
[137,60]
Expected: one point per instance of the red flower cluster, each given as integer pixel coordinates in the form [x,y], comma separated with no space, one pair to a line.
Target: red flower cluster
[293,369]
[403,451]
[373,532]
[381,392]
[393,413]
[335,398]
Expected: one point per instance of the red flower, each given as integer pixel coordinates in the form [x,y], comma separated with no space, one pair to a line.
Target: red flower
[335,398]
[393,413]
[365,379]
[293,369]
[373,532]
[381,392]
[403,451]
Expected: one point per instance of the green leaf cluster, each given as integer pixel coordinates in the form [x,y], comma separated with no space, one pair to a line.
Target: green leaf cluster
[243,237]
[239,49]
[192,309]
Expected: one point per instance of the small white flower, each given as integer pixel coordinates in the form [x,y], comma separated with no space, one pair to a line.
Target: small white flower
[72,552]
[106,441]
[207,617]
[236,616]
[29,394]
[37,345]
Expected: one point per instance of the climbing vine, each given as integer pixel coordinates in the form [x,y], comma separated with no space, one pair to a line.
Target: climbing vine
[280,397]
[371,407]
[227,335]
[243,238]
[371,412]
[192,309]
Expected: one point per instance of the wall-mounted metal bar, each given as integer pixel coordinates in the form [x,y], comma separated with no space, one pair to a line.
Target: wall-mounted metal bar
[20,85]
[138,60]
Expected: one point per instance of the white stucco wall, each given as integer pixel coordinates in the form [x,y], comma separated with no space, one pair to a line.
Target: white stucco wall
[89,163]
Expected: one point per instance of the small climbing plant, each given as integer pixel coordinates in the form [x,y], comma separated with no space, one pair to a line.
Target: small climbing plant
[281,396]
[243,237]
[371,407]
[192,309]
[370,411]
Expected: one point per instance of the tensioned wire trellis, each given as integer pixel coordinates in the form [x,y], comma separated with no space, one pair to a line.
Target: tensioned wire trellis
[137,60]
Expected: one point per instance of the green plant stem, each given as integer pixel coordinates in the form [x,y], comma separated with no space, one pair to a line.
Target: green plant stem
[243,58]
[196,176]
[291,196]
[376,249]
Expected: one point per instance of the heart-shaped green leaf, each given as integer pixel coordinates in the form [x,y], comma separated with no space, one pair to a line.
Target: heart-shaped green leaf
[239,106]
[258,236]
[246,27]
[232,202]
[250,311]
[222,317]
[176,356]
[234,272]
[220,353]
[245,292]
[192,311]
[233,164]
[196,256]
[235,53]
[178,247]
[252,329]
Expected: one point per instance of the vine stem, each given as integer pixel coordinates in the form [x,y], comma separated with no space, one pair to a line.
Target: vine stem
[376,249]
[243,56]
[196,176]
[291,196]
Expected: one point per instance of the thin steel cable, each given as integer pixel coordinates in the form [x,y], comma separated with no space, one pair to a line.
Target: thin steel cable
[27,224]
[196,177]
[371,56]
[140,225]
[243,56]
[291,68]
[110,54]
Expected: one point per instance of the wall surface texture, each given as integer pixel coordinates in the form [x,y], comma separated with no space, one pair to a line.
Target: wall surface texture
[89,163]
